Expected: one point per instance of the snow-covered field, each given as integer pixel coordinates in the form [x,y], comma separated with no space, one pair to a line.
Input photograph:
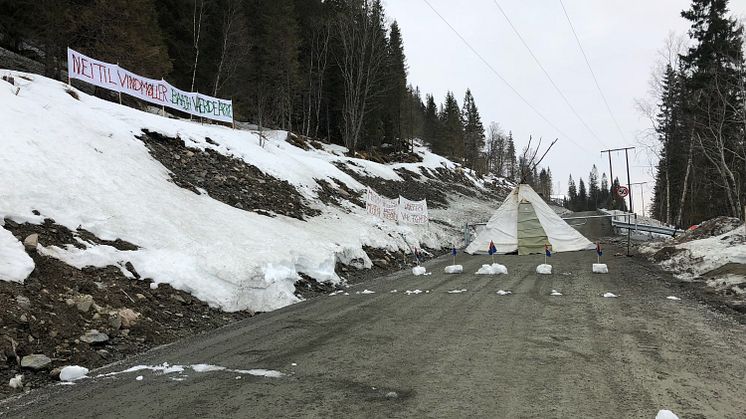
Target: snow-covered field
[79,162]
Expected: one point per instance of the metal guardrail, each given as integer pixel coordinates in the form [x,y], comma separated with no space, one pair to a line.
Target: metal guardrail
[646,228]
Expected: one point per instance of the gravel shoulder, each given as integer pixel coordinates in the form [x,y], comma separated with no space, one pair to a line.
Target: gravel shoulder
[447,355]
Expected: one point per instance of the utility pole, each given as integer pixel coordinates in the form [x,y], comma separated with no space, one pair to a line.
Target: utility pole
[642,194]
[611,171]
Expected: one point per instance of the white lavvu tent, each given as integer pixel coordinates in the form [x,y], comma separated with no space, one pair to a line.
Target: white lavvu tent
[525,223]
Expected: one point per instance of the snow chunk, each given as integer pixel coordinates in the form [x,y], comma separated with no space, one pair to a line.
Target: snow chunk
[556,293]
[610,295]
[501,292]
[418,270]
[259,372]
[367,291]
[457,291]
[666,414]
[454,269]
[673,298]
[207,368]
[415,292]
[15,264]
[494,269]
[73,373]
[139,378]
[16,382]
[544,269]
[600,268]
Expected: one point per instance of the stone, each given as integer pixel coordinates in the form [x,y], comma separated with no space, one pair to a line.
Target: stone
[93,337]
[55,373]
[22,301]
[31,241]
[177,297]
[140,297]
[70,302]
[35,362]
[128,317]
[23,318]
[83,302]
[115,321]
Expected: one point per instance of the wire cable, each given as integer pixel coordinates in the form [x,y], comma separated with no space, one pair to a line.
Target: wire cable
[549,77]
[595,80]
[513,89]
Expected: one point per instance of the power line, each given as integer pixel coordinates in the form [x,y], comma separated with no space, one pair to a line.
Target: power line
[588,63]
[546,73]
[513,89]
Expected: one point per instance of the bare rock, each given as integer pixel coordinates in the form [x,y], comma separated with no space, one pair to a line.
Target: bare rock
[93,337]
[31,241]
[128,317]
[35,362]
[83,302]
[22,301]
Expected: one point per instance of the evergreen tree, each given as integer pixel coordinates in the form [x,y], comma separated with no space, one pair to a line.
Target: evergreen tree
[604,193]
[432,127]
[511,166]
[582,196]
[594,198]
[396,74]
[452,138]
[572,195]
[473,130]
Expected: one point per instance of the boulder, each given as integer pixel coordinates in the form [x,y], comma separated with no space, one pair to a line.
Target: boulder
[23,302]
[35,362]
[128,317]
[93,337]
[83,302]
[31,241]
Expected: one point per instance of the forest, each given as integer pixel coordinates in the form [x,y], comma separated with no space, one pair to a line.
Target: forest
[699,123]
[332,70]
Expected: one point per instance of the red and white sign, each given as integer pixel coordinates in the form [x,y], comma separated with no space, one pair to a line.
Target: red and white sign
[622,191]
[396,210]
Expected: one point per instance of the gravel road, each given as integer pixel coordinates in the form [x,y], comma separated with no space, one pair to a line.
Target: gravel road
[437,354]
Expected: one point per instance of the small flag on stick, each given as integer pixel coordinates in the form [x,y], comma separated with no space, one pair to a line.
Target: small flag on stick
[599,252]
[417,256]
[547,252]
[453,253]
[492,250]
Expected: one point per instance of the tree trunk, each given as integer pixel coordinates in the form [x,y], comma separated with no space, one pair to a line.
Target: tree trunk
[686,183]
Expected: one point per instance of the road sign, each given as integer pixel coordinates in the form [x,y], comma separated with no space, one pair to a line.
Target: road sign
[622,191]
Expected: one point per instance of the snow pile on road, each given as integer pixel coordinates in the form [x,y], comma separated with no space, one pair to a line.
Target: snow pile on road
[609,295]
[15,263]
[454,269]
[494,269]
[78,162]
[600,268]
[555,293]
[73,373]
[503,292]
[673,298]
[666,414]
[544,269]
[418,270]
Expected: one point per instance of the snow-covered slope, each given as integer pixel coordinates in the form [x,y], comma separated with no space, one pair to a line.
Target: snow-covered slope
[78,162]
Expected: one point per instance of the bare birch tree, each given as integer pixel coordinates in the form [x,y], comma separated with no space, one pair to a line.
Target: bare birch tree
[234,45]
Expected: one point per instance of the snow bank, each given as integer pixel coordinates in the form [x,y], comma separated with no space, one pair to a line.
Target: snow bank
[544,269]
[418,270]
[79,162]
[454,269]
[600,268]
[701,256]
[494,269]
[15,264]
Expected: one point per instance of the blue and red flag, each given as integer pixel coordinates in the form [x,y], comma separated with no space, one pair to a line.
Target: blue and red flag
[547,251]
[598,249]
[453,251]
[492,250]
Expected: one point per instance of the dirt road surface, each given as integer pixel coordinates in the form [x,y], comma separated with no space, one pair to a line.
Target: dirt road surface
[437,354]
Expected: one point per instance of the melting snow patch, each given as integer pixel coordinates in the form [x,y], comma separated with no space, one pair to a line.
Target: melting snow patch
[261,373]
[454,269]
[139,378]
[393,291]
[457,291]
[367,291]
[666,414]
[207,368]
[15,263]
[73,373]
[610,295]
[336,293]
[408,292]
[418,270]
[544,269]
[494,269]
[600,268]
[672,298]
[501,292]
[16,382]
[556,293]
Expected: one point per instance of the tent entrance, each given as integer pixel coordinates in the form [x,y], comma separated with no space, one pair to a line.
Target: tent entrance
[531,235]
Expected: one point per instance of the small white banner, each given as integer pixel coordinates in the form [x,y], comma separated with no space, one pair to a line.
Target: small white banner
[397,210]
[158,92]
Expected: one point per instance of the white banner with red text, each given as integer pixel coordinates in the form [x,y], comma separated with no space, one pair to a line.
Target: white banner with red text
[397,210]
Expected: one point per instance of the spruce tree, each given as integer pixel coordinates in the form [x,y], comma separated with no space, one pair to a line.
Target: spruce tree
[572,195]
[582,196]
[510,159]
[594,198]
[473,130]
[452,139]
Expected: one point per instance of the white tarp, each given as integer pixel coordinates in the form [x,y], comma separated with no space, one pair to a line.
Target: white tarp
[397,210]
[502,228]
[158,92]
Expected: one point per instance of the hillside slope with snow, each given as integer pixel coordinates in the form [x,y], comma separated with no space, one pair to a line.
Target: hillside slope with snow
[81,162]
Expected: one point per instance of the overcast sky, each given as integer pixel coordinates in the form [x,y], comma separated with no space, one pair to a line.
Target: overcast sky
[620,37]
